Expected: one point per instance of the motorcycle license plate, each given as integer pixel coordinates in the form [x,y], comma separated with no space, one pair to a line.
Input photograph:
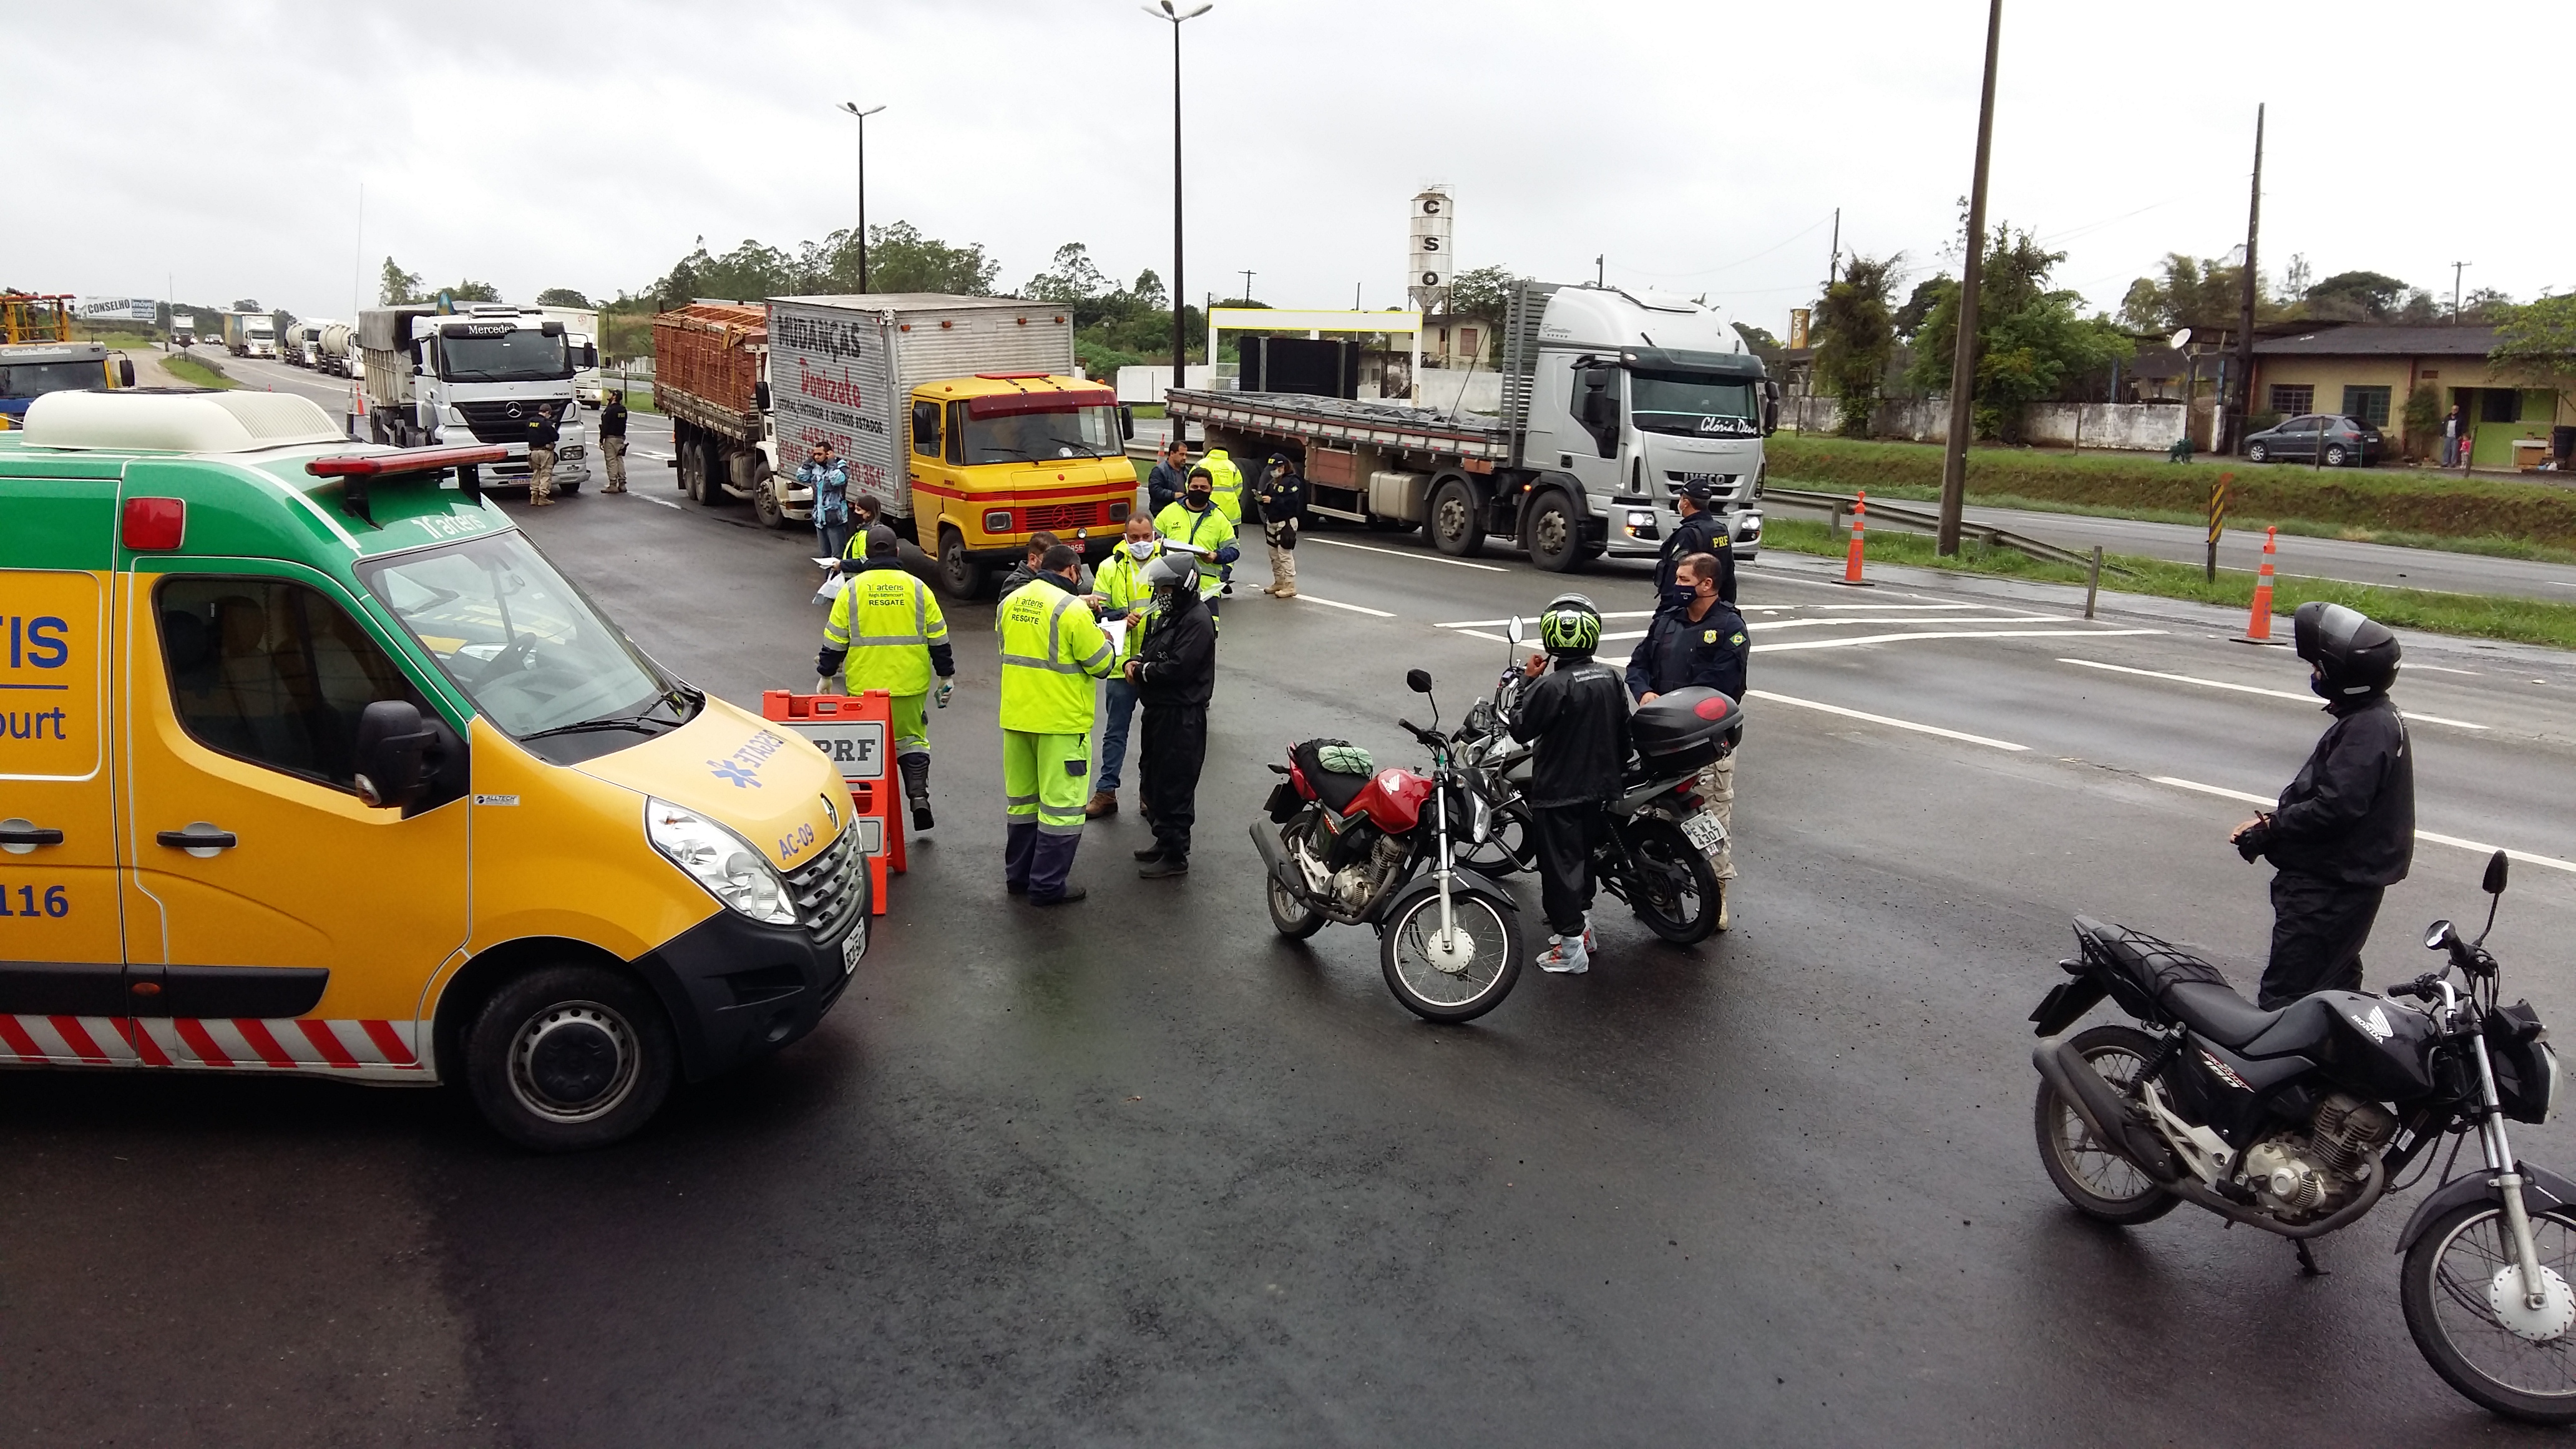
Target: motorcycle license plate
[1704,832]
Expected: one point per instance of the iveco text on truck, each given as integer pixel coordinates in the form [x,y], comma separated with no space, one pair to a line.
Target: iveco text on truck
[472,376]
[962,414]
[1612,400]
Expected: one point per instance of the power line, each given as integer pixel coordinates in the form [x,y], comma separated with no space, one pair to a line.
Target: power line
[1740,261]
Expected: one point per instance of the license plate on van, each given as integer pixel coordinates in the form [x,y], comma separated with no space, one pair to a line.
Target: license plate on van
[854,945]
[1704,832]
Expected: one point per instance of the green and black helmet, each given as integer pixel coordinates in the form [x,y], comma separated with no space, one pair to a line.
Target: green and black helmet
[1571,625]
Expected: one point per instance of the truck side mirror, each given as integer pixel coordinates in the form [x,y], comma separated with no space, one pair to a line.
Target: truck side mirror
[760,397]
[589,355]
[125,372]
[1126,419]
[392,739]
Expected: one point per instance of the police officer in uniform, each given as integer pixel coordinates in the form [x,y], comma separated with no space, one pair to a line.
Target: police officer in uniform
[1174,673]
[1578,718]
[1701,643]
[2345,829]
[886,632]
[1051,651]
[1702,530]
[542,437]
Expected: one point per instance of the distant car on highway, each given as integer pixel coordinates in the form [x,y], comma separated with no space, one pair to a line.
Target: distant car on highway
[2347,441]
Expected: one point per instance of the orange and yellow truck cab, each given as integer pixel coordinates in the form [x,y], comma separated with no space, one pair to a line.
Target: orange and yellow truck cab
[311,762]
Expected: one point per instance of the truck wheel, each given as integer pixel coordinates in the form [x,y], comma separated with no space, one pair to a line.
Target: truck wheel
[693,464]
[764,496]
[963,577]
[1555,535]
[711,474]
[1456,529]
[570,1057]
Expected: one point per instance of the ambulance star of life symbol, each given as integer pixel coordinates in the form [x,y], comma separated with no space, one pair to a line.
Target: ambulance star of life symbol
[727,770]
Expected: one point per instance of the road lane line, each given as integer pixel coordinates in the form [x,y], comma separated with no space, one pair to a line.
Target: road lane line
[1765,626]
[2269,802]
[1948,634]
[1306,598]
[649,498]
[1902,724]
[2253,689]
[1495,638]
[1400,553]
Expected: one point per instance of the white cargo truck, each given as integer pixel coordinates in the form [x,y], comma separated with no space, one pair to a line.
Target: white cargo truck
[581,331]
[183,329]
[250,334]
[473,376]
[1611,401]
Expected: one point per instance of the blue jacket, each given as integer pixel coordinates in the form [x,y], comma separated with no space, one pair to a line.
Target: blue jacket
[831,485]
[1677,654]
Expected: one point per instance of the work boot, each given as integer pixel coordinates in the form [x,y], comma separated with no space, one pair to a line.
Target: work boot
[1069,895]
[1564,957]
[1165,867]
[1102,803]
[1151,852]
[1285,591]
[1725,918]
[921,818]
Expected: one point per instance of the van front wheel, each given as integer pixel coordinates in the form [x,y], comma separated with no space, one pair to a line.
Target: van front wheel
[570,1057]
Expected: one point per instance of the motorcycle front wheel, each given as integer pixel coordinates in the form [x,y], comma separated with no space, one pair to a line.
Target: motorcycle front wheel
[1466,975]
[1677,896]
[1290,916]
[2101,1183]
[2460,1287]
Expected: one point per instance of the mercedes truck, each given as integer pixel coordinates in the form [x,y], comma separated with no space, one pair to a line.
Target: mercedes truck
[475,376]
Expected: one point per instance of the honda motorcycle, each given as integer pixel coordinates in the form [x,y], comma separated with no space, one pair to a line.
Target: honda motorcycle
[1377,850]
[2298,1121]
[1656,838]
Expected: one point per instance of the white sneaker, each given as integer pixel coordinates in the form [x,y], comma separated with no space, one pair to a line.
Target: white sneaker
[1590,944]
[1566,958]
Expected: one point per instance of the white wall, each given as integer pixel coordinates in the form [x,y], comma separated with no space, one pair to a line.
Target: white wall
[1148,384]
[2134,427]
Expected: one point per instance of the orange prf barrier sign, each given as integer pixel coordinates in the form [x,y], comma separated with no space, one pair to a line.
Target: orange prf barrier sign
[856,731]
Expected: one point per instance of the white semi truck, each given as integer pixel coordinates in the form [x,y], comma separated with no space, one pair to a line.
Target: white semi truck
[183,329]
[581,330]
[1612,400]
[250,334]
[473,376]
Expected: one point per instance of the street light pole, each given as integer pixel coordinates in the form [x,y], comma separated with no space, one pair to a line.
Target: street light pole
[853,108]
[1963,354]
[1180,330]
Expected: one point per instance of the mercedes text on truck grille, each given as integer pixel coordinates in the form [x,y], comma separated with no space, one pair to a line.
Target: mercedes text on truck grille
[314,764]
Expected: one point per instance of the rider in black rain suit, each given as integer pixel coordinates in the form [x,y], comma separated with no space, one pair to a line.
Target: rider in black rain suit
[2345,829]
[1578,719]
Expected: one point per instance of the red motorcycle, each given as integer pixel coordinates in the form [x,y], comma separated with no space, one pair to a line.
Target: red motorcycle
[1374,849]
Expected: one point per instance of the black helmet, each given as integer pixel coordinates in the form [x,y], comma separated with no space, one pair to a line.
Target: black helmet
[2355,655]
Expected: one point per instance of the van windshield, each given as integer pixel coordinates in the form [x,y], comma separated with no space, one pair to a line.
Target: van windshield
[1695,405]
[524,644]
[1030,437]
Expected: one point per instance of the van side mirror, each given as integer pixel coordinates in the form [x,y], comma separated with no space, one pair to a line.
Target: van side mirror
[2494,883]
[392,739]
[1126,423]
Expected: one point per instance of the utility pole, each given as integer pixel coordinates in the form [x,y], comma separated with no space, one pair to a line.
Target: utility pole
[1834,268]
[1247,284]
[2239,400]
[853,109]
[1180,329]
[2456,269]
[1963,356]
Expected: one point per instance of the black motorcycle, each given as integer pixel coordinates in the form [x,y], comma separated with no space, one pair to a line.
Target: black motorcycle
[2298,1121]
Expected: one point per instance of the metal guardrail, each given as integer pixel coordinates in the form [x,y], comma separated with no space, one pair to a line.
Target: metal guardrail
[1916,520]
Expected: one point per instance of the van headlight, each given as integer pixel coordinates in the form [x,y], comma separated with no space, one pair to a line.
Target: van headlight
[726,864]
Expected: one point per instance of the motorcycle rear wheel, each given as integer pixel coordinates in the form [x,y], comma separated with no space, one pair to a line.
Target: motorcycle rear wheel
[2443,1287]
[1407,955]
[1511,846]
[1688,916]
[1290,916]
[2101,1184]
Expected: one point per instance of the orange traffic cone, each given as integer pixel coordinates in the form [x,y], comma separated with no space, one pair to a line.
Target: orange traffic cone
[2258,625]
[1851,559]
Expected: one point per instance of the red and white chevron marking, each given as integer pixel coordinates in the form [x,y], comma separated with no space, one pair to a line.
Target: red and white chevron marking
[372,1050]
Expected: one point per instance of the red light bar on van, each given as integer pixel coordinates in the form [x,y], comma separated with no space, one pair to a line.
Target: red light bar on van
[154,525]
[403,460]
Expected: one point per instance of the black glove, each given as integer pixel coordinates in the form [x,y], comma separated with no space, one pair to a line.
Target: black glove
[2252,843]
[827,661]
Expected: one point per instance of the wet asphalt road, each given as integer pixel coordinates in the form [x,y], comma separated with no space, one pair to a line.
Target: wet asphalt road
[1139,1171]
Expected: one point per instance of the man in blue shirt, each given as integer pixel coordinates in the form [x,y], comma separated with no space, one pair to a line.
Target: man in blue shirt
[830,480]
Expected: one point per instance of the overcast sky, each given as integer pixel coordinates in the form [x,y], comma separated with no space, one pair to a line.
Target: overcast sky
[1698,146]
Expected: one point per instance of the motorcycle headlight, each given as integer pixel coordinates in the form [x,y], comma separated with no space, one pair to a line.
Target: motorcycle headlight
[726,864]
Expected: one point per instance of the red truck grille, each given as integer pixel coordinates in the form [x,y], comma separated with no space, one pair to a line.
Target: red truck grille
[1057,517]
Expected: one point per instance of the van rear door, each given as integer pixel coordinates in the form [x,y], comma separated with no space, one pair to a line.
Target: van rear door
[62,949]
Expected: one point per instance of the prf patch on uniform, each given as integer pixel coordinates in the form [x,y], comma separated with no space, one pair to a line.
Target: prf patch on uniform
[50,629]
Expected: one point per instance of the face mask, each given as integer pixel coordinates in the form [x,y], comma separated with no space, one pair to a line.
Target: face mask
[1199,496]
[1681,596]
[1141,549]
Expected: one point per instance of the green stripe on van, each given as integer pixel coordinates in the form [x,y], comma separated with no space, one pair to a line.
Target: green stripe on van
[58,523]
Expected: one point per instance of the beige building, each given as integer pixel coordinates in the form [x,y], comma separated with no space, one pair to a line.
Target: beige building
[1451,341]
[2367,372]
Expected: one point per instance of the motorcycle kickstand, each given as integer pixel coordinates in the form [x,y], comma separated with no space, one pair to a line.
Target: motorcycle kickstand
[2307,1261]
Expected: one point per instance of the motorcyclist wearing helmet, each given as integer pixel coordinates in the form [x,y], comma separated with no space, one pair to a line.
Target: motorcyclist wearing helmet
[2345,829]
[1702,530]
[1578,719]
[1174,672]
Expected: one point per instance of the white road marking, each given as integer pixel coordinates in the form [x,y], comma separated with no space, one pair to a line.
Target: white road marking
[649,453]
[1750,609]
[1400,553]
[1776,608]
[1902,724]
[1306,598]
[1496,638]
[1948,634]
[2441,669]
[2252,689]
[2267,801]
[1766,626]
[649,498]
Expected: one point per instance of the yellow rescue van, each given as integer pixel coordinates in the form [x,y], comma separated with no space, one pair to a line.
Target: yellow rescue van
[312,762]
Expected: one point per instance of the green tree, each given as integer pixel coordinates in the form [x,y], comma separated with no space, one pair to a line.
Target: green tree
[2423,416]
[1918,306]
[2032,340]
[2204,295]
[1483,292]
[2356,297]
[901,259]
[470,290]
[396,287]
[1855,331]
[245,304]
[2536,341]
[563,297]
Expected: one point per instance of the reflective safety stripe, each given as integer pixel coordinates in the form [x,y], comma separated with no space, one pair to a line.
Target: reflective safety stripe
[836,633]
[1092,662]
[880,638]
[1024,661]
[1028,800]
[1047,828]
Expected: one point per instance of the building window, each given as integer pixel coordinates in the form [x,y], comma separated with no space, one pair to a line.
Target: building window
[2288,399]
[1467,341]
[2370,404]
[2499,405]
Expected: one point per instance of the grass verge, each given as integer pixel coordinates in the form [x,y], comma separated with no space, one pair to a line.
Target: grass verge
[2522,621]
[2427,509]
[194,373]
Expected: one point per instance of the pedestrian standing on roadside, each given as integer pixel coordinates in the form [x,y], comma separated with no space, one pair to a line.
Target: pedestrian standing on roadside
[612,441]
[542,437]
[829,477]
[1121,593]
[1281,498]
[2452,427]
[1174,673]
[1170,477]
[1052,649]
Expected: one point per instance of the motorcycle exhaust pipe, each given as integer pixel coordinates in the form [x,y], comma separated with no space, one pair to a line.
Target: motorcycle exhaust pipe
[1274,858]
[2082,1088]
